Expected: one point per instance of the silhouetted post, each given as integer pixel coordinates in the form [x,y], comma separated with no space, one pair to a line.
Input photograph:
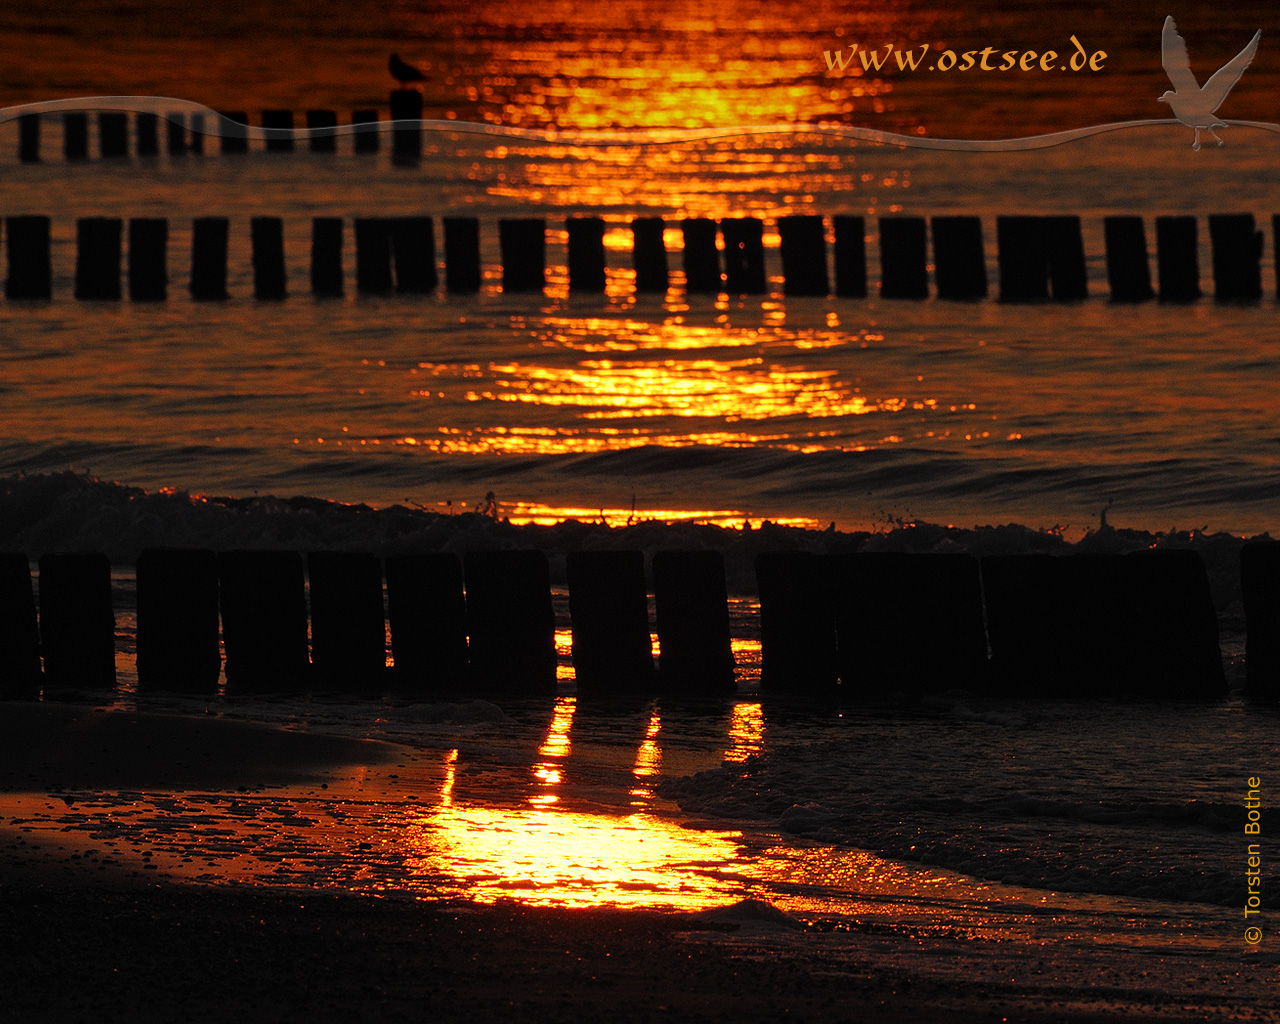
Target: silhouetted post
[803,243]
[321,137]
[1023,261]
[264,619]
[348,619]
[586,254]
[413,243]
[510,621]
[1237,256]
[269,274]
[178,620]
[196,141]
[850,257]
[234,129]
[148,259]
[1177,259]
[75,136]
[406,106]
[147,127]
[701,258]
[113,135]
[1260,588]
[366,140]
[1064,245]
[428,615]
[649,255]
[913,620]
[904,258]
[1172,642]
[462,272]
[278,123]
[29,138]
[696,652]
[1128,267]
[19,629]
[30,271]
[176,134]
[1094,615]
[326,256]
[523,244]
[77,625]
[98,257]
[959,260]
[797,623]
[373,256]
[743,255]
[609,605]
[1023,598]
[209,258]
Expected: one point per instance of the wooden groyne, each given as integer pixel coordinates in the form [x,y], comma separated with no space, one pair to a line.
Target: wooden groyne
[1038,259]
[1084,626]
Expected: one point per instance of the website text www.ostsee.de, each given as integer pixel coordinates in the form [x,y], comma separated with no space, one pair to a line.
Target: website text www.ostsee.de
[888,57]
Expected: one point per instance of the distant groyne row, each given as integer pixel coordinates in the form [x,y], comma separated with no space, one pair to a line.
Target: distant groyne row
[1039,258]
[857,625]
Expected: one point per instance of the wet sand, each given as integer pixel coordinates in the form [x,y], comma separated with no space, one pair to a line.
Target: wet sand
[93,940]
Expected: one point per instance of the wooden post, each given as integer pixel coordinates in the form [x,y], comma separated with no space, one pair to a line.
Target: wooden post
[269,276]
[428,614]
[77,624]
[586,254]
[959,260]
[75,136]
[1177,259]
[348,620]
[406,108]
[209,258]
[264,620]
[147,126]
[326,257]
[462,272]
[113,135]
[701,258]
[609,605]
[523,243]
[1023,599]
[743,255]
[321,125]
[373,256]
[98,257]
[797,623]
[366,140]
[19,628]
[804,255]
[904,258]
[233,128]
[29,138]
[30,271]
[1237,255]
[148,260]
[196,141]
[511,622]
[850,257]
[176,134]
[696,651]
[649,255]
[413,244]
[177,593]
[1128,267]
[1023,261]
[1260,588]
[279,125]
[1064,247]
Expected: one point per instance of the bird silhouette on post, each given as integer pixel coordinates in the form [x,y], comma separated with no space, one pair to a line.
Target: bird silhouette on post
[1192,103]
[404,73]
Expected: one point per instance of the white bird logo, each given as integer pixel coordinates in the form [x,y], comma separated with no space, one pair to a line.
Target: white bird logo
[1195,104]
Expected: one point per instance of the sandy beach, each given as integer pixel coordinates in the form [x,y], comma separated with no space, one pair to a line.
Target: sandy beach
[131,937]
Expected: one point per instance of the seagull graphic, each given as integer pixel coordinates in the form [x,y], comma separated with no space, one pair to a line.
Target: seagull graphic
[1193,104]
[403,72]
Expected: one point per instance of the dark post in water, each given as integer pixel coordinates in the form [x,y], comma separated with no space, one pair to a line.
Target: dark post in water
[373,256]
[523,244]
[850,257]
[413,244]
[609,605]
[321,137]
[696,652]
[406,108]
[743,255]
[176,134]
[1260,587]
[30,270]
[264,620]
[348,619]
[1128,266]
[234,131]
[462,271]
[148,129]
[29,138]
[904,258]
[366,139]
[803,242]
[428,614]
[511,622]
[1023,262]
[959,260]
[701,257]
[98,257]
[19,628]
[1237,257]
[279,124]
[269,273]
[209,258]
[113,135]
[1177,260]
[178,620]
[77,624]
[649,255]
[797,623]
[75,136]
[326,257]
[586,254]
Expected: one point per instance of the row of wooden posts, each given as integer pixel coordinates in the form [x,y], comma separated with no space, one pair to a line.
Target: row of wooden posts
[1039,258]
[857,625]
[185,134]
